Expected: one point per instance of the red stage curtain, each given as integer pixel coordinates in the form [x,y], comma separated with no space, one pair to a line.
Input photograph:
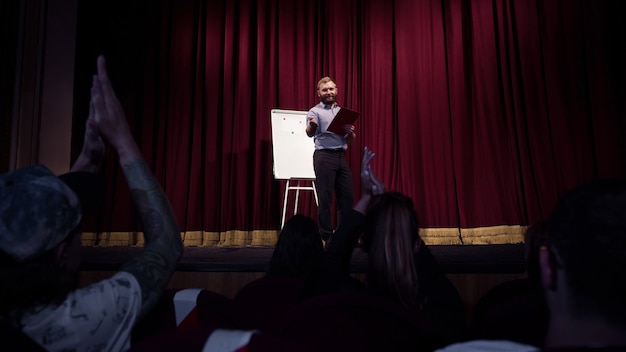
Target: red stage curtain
[484,112]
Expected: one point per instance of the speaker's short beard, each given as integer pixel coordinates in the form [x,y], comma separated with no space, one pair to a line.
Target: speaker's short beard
[328,100]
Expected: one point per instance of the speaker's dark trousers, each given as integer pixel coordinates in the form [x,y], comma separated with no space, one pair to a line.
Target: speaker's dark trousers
[332,174]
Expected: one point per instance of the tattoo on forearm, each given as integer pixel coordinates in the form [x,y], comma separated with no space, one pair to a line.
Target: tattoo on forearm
[154,266]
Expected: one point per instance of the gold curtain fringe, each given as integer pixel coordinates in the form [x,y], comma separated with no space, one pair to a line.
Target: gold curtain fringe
[234,238]
[440,236]
[504,234]
[112,239]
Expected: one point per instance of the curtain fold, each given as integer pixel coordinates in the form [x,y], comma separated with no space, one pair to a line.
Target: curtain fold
[483,112]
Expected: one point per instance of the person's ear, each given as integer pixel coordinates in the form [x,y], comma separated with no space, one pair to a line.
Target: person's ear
[417,245]
[547,269]
[61,251]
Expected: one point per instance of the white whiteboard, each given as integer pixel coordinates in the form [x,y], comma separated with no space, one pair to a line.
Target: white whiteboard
[292,148]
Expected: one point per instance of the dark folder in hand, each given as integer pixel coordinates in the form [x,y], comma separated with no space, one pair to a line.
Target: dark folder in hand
[344,117]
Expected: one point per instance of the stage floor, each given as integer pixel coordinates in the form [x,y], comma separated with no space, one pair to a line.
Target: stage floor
[455,259]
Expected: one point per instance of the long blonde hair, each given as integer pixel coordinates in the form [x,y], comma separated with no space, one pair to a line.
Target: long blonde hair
[390,236]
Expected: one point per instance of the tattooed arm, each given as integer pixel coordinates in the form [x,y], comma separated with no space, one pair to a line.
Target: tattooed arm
[154,266]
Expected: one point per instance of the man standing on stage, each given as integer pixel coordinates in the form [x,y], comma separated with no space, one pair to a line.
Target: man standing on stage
[329,158]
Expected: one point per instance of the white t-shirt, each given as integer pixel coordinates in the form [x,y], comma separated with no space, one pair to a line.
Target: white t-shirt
[99,317]
[489,346]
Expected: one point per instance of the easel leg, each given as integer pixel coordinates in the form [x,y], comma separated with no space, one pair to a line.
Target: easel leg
[295,203]
[282,224]
[314,192]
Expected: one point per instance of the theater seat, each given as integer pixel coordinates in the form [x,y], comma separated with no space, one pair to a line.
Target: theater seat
[217,340]
[358,322]
[513,310]
[265,300]
[191,308]
[175,340]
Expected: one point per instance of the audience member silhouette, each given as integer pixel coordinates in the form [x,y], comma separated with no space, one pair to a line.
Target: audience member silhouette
[299,250]
[515,309]
[581,265]
[40,242]
[581,262]
[293,269]
[401,267]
